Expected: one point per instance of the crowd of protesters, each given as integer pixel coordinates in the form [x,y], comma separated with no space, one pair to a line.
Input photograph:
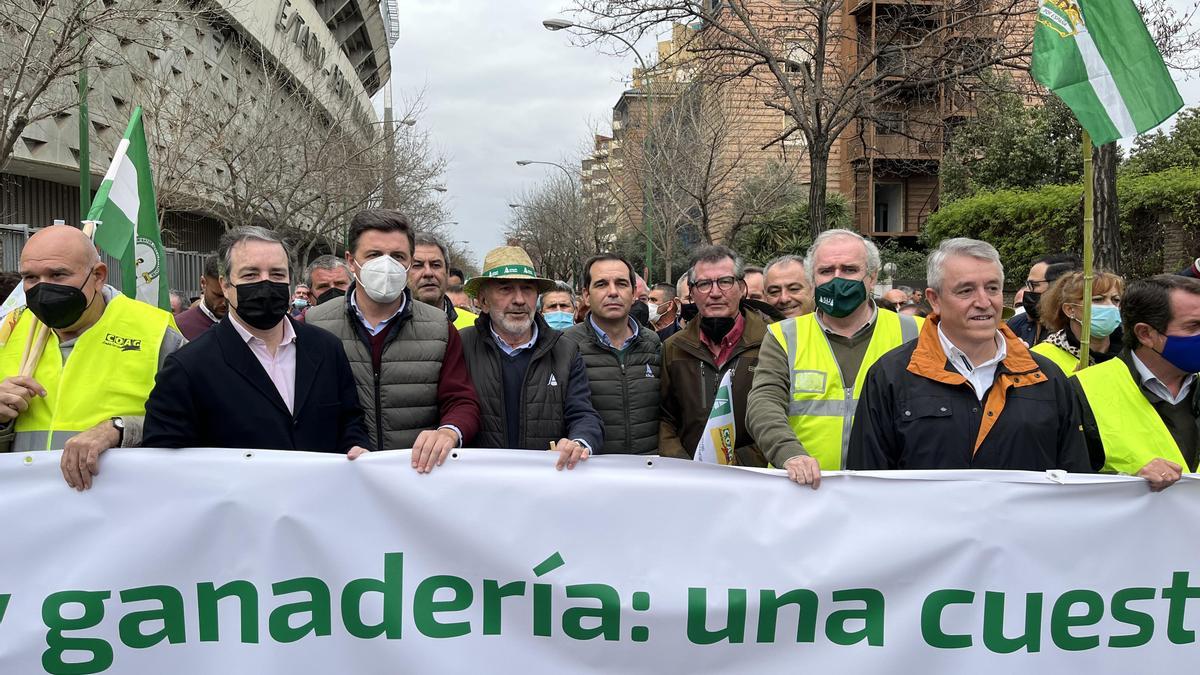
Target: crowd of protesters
[818,365]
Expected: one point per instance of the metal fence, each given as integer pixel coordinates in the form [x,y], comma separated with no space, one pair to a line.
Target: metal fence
[184,268]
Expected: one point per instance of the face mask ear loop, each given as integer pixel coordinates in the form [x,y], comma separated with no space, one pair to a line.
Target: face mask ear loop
[1164,342]
[85,281]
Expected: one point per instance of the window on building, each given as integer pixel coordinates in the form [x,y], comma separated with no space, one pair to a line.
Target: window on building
[890,123]
[796,138]
[890,61]
[889,207]
[797,55]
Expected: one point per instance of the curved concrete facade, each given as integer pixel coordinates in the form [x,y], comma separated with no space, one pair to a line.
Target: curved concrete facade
[336,51]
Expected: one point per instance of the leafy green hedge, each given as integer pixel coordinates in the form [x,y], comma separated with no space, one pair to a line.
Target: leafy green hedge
[1023,224]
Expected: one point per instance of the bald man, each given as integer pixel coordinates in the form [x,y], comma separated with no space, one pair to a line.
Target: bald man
[88,390]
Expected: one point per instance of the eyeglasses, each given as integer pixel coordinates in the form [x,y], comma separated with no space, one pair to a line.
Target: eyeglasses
[1031,284]
[724,283]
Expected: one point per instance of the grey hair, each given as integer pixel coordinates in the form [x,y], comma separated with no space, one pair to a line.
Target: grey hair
[783,260]
[236,236]
[559,287]
[958,246]
[430,240]
[873,262]
[182,297]
[712,254]
[325,262]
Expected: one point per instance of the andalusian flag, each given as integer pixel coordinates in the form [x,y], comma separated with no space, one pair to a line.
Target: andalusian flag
[128,215]
[716,445]
[1101,61]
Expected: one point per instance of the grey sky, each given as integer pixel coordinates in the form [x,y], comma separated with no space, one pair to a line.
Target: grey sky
[499,87]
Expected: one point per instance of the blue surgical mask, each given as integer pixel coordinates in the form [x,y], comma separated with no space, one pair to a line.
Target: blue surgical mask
[1105,319]
[1183,352]
[559,320]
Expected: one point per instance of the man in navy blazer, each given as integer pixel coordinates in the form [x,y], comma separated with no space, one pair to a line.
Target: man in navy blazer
[258,379]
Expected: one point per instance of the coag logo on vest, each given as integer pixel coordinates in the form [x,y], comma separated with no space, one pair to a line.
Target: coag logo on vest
[123,343]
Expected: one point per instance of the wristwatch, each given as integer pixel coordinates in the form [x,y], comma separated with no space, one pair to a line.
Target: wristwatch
[119,425]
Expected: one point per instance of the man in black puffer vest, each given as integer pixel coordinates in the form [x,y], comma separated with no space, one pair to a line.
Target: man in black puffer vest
[533,387]
[623,359]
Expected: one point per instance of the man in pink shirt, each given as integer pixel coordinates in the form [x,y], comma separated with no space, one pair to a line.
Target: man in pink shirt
[258,379]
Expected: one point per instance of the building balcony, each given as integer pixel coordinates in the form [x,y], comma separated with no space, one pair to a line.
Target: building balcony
[860,7]
[895,146]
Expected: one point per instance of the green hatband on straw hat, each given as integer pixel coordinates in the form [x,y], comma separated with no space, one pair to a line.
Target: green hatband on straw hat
[507,262]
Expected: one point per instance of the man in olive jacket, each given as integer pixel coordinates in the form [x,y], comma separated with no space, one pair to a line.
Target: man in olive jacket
[725,337]
[533,387]
[623,359]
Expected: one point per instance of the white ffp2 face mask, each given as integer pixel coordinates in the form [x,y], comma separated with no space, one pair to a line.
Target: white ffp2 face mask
[654,315]
[383,278]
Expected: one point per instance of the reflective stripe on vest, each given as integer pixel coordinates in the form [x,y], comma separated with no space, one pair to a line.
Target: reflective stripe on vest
[28,441]
[1132,432]
[821,410]
[110,373]
[1061,357]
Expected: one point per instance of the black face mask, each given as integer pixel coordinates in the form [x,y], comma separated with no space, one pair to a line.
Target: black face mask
[57,305]
[1030,302]
[330,294]
[262,304]
[716,327]
[688,311]
[640,313]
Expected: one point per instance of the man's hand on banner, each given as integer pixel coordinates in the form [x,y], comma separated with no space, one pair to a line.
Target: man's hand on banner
[805,470]
[356,452]
[81,454]
[1161,473]
[570,453]
[432,447]
[15,393]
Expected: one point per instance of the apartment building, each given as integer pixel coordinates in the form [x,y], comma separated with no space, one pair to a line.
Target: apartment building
[897,77]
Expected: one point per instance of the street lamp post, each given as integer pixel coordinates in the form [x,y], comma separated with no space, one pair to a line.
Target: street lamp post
[570,176]
[647,191]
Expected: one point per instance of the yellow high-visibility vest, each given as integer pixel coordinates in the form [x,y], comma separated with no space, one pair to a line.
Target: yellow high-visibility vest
[1132,432]
[464,318]
[1062,358]
[110,373]
[821,410]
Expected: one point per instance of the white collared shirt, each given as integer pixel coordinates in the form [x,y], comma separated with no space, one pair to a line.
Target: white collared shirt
[376,329]
[208,312]
[1156,386]
[982,375]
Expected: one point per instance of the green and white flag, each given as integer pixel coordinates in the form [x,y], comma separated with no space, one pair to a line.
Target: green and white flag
[1098,57]
[717,443]
[128,215]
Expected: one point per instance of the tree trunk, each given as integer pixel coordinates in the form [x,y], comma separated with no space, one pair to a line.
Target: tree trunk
[1108,227]
[668,249]
[817,189]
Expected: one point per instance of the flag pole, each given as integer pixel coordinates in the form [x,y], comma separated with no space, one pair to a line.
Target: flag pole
[85,161]
[1085,337]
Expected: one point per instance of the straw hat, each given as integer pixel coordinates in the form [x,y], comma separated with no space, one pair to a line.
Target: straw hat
[507,262]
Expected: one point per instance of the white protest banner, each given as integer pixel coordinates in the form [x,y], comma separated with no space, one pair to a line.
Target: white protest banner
[221,561]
